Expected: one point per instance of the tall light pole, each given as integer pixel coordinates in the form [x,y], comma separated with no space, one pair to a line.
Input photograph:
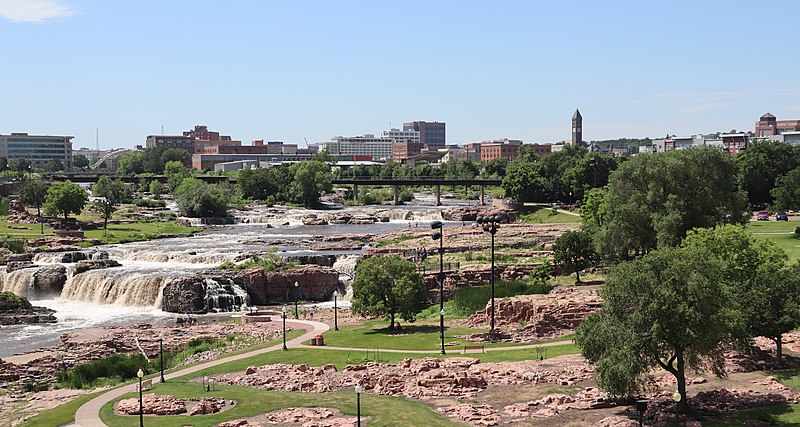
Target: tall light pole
[358,405]
[335,311]
[296,297]
[437,235]
[283,316]
[161,352]
[140,374]
[491,224]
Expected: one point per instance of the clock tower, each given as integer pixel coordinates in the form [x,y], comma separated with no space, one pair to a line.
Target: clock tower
[577,128]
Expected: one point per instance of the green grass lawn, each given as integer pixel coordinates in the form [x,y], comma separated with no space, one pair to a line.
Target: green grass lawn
[383,410]
[783,415]
[543,215]
[120,233]
[785,240]
[415,336]
[31,231]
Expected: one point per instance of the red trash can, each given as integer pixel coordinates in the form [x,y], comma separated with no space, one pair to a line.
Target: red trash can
[320,340]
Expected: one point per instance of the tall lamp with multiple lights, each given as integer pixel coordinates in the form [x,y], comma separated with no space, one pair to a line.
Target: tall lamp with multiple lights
[283,316]
[491,224]
[437,235]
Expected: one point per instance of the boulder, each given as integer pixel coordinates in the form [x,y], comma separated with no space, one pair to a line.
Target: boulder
[49,280]
[18,265]
[15,310]
[184,295]
[95,264]
[315,283]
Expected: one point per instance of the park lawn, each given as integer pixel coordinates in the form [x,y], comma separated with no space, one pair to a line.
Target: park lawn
[32,231]
[544,215]
[138,231]
[62,414]
[779,232]
[383,410]
[756,227]
[781,415]
[415,336]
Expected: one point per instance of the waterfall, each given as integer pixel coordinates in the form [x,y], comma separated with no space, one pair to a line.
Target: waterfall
[117,286]
[19,282]
[412,215]
[346,267]
[186,256]
[224,297]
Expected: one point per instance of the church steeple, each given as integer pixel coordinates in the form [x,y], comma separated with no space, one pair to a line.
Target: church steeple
[577,128]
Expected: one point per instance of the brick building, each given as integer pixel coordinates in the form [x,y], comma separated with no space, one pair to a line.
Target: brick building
[769,125]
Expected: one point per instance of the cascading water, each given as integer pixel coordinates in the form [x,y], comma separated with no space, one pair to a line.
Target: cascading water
[117,286]
[19,282]
[224,297]
[346,267]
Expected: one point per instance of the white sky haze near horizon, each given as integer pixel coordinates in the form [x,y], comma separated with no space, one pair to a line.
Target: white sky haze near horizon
[315,69]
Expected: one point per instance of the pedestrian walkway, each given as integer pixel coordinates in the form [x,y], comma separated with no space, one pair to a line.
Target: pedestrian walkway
[88,415]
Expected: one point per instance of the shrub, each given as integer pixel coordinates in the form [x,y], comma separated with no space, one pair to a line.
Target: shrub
[467,301]
[13,244]
[118,367]
[150,203]
[4,206]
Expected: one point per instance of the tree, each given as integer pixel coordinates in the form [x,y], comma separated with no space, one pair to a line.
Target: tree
[156,189]
[176,172]
[595,205]
[673,309]
[54,165]
[20,165]
[198,199]
[175,155]
[130,163]
[257,184]
[3,163]
[761,165]
[311,179]
[787,191]
[34,193]
[654,200]
[110,194]
[80,161]
[496,167]
[574,250]
[388,286]
[767,290]
[65,198]
[522,181]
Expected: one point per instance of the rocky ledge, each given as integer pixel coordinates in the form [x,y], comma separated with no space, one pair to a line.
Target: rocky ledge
[160,404]
[15,310]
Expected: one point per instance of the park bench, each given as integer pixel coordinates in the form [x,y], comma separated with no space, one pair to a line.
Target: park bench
[146,385]
[474,347]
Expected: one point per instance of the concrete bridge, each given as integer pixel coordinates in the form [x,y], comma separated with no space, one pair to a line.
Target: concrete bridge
[435,182]
[92,177]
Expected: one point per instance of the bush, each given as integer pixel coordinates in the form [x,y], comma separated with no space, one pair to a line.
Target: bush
[467,301]
[150,203]
[13,244]
[118,367]
[4,206]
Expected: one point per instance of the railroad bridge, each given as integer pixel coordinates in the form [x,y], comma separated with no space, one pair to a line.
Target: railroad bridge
[435,182]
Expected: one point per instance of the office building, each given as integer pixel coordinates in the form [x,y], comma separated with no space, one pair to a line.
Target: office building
[505,148]
[378,148]
[769,125]
[180,142]
[432,134]
[38,149]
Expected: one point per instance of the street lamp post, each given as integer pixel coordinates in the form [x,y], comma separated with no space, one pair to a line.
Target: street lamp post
[161,353]
[437,235]
[296,298]
[140,374]
[335,312]
[491,224]
[677,398]
[283,316]
[358,405]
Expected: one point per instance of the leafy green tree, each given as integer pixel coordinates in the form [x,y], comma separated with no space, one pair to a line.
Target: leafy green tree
[176,172]
[590,171]
[497,167]
[20,165]
[156,188]
[654,200]
[80,161]
[767,289]
[109,195]
[53,166]
[522,181]
[3,163]
[787,191]
[34,193]
[175,155]
[131,163]
[574,250]
[65,198]
[388,286]
[258,184]
[673,309]
[311,179]
[761,165]
[198,199]
[595,204]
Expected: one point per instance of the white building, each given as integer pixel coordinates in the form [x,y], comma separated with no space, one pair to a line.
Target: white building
[379,148]
[38,149]
[402,135]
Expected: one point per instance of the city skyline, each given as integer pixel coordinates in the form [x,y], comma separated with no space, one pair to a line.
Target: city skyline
[315,70]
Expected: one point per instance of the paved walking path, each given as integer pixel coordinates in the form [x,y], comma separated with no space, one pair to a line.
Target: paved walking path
[88,415]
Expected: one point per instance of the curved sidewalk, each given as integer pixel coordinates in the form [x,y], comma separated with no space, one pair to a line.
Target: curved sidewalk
[487,349]
[88,415]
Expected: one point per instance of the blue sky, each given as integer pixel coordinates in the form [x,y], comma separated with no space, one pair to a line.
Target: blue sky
[314,69]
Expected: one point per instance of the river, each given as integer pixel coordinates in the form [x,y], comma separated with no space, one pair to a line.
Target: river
[132,293]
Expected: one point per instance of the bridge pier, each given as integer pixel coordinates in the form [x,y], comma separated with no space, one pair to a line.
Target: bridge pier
[355,192]
[438,195]
[396,195]
[482,202]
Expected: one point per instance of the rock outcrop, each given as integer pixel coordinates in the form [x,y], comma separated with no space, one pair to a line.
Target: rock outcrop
[95,264]
[15,310]
[49,280]
[315,283]
[200,294]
